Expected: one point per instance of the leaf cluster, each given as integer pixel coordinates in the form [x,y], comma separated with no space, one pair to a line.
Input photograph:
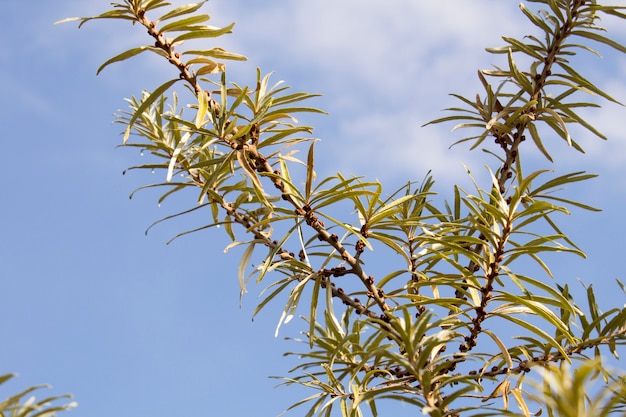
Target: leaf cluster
[24,404]
[547,91]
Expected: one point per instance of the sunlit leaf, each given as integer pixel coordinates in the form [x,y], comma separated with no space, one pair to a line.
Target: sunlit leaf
[217,53]
[310,172]
[128,54]
[599,38]
[184,24]
[208,32]
[182,10]
[145,104]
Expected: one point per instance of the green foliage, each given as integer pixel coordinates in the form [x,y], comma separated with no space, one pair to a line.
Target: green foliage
[571,394]
[421,332]
[24,404]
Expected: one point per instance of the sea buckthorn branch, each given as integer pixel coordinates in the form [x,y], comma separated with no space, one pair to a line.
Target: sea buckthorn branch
[262,165]
[509,144]
[373,291]
[481,242]
[259,163]
[493,271]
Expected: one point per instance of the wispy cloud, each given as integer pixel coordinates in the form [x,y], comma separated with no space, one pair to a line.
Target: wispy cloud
[384,69]
[387,69]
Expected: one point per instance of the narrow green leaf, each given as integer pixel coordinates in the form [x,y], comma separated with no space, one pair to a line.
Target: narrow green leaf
[243,264]
[611,10]
[385,212]
[559,120]
[521,78]
[578,78]
[561,300]
[281,285]
[616,323]
[350,229]
[313,311]
[5,378]
[534,19]
[147,102]
[310,172]
[128,54]
[214,68]
[292,303]
[203,108]
[562,180]
[155,4]
[338,196]
[535,136]
[208,32]
[542,311]
[599,38]
[111,14]
[217,53]
[182,10]
[534,329]
[242,158]
[528,49]
[174,159]
[184,24]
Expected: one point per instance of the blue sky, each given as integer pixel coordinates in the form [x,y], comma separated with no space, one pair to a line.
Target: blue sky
[132,326]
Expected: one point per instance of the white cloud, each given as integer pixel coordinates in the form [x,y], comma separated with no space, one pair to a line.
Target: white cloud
[384,69]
